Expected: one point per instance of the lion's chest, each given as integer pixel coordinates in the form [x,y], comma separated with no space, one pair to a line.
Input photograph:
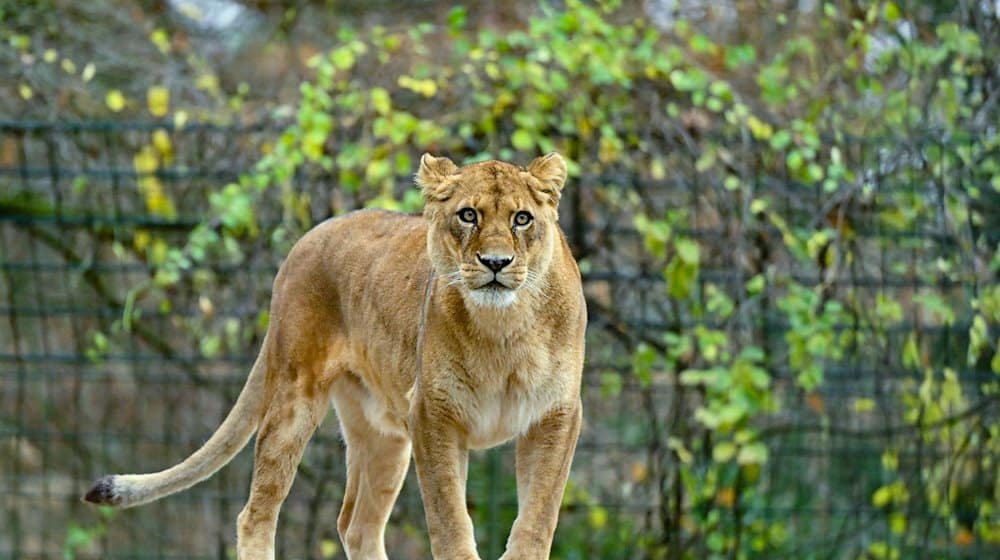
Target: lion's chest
[507,410]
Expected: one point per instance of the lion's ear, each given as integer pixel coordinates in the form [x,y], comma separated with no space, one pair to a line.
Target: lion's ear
[550,170]
[432,174]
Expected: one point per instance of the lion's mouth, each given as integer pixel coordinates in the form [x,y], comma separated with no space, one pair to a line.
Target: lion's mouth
[494,285]
[493,294]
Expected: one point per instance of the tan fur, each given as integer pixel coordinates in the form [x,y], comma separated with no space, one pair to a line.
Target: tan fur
[390,316]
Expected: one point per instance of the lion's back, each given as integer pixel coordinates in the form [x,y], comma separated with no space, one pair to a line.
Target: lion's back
[365,266]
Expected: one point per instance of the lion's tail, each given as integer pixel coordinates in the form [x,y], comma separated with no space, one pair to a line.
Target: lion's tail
[127,490]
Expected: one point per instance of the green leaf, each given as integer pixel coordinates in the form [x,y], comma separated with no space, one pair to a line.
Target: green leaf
[680,277]
[457,17]
[888,310]
[687,251]
[810,377]
[642,363]
[781,140]
[891,11]
[794,160]
[708,418]
[655,233]
[342,58]
[381,101]
[739,55]
[210,346]
[911,352]
[978,339]
[752,454]
[755,285]
[522,140]
[377,169]
[677,446]
[611,383]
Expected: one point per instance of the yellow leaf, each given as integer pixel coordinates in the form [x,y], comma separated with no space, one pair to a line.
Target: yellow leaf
[964,537]
[157,201]
[864,405]
[191,10]
[598,517]
[377,169]
[882,496]
[723,451]
[897,523]
[427,88]
[50,55]
[68,66]
[160,38]
[759,128]
[20,42]
[115,100]
[584,126]
[206,306]
[88,72]
[207,82]
[158,100]
[639,471]
[890,460]
[752,454]
[492,70]
[145,161]
[25,91]
[180,119]
[161,141]
[682,452]
[158,252]
[725,497]
[328,548]
[657,170]
[141,240]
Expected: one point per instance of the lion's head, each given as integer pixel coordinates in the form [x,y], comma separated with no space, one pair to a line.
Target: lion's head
[493,225]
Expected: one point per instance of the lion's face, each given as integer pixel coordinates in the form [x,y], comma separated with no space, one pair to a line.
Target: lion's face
[492,225]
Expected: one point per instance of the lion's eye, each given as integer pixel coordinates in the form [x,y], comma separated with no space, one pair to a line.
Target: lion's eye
[522,218]
[467,215]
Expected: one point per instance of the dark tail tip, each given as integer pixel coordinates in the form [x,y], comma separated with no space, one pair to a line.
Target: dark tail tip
[103,492]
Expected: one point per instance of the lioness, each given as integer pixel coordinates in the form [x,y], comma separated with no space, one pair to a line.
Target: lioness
[458,330]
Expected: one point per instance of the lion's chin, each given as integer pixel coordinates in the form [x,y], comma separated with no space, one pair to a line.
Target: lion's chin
[493,294]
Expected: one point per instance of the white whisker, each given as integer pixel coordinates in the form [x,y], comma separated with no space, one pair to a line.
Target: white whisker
[536,283]
[453,278]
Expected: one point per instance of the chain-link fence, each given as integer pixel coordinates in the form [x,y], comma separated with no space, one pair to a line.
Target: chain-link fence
[92,381]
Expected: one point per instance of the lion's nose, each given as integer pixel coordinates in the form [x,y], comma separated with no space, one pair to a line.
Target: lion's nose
[494,262]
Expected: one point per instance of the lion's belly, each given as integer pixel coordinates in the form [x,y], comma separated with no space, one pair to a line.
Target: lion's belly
[379,416]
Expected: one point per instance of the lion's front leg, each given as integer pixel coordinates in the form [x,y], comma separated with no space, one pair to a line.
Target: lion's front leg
[544,455]
[442,460]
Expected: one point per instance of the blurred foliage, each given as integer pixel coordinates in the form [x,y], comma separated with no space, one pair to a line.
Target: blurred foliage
[606,90]
[792,133]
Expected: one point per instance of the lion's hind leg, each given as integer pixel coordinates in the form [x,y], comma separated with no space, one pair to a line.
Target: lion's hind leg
[299,400]
[286,428]
[376,467]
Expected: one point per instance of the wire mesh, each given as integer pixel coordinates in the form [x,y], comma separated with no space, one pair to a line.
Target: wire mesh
[70,212]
